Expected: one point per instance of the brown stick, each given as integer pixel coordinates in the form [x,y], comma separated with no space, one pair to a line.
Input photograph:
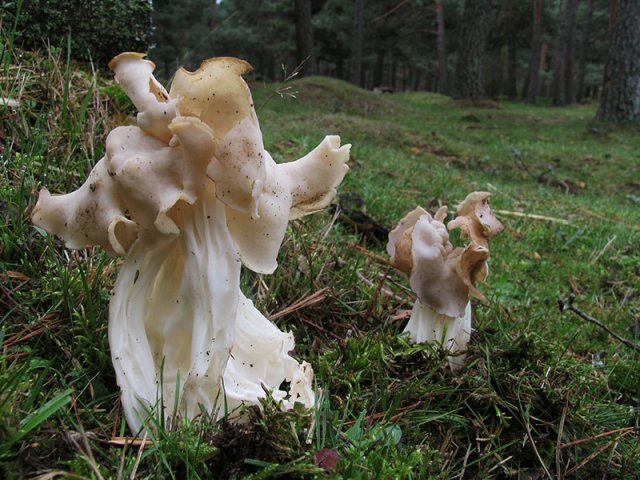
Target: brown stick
[568,305]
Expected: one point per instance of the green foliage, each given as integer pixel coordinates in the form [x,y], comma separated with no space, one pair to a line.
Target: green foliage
[97,30]
[181,35]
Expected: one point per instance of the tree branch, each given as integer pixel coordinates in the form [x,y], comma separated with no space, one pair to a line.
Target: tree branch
[568,305]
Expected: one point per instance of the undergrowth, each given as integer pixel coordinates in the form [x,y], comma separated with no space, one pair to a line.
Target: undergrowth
[545,394]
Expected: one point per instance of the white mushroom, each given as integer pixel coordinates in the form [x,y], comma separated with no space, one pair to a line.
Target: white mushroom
[444,277]
[186,195]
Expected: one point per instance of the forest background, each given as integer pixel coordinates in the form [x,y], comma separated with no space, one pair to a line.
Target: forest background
[473,49]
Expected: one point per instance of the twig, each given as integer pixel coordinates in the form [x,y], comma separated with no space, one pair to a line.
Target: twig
[532,216]
[389,12]
[377,258]
[568,305]
[376,416]
[464,462]
[323,330]
[600,435]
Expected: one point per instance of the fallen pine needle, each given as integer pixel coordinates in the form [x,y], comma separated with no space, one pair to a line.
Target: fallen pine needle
[624,430]
[312,299]
[377,416]
[130,441]
[604,249]
[596,453]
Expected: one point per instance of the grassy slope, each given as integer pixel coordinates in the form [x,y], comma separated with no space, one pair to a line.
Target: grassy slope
[388,408]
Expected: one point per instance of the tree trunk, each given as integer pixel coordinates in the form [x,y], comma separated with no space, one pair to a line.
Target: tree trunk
[213,7]
[582,61]
[417,78]
[378,71]
[394,75]
[536,47]
[356,43]
[443,82]
[543,66]
[339,67]
[621,88]
[304,37]
[469,82]
[562,83]
[612,16]
[512,50]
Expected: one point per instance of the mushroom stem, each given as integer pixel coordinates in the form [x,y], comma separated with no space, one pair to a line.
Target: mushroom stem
[451,333]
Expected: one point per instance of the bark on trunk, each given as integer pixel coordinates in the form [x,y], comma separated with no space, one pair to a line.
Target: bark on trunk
[469,80]
[612,16]
[356,43]
[562,84]
[512,87]
[304,37]
[543,66]
[582,62]
[443,81]
[621,89]
[536,47]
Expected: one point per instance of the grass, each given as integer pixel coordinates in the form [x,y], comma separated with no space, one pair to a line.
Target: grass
[544,394]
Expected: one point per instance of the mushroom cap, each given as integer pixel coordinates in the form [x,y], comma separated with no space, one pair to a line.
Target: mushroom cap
[442,277]
[205,129]
[135,75]
[475,219]
[217,94]
[434,276]
[291,190]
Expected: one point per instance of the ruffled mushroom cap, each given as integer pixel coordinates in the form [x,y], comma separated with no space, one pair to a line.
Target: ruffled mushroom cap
[400,242]
[156,110]
[475,219]
[206,128]
[442,277]
[292,190]
[130,192]
[216,94]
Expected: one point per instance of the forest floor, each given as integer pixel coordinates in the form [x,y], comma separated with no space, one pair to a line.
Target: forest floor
[545,393]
